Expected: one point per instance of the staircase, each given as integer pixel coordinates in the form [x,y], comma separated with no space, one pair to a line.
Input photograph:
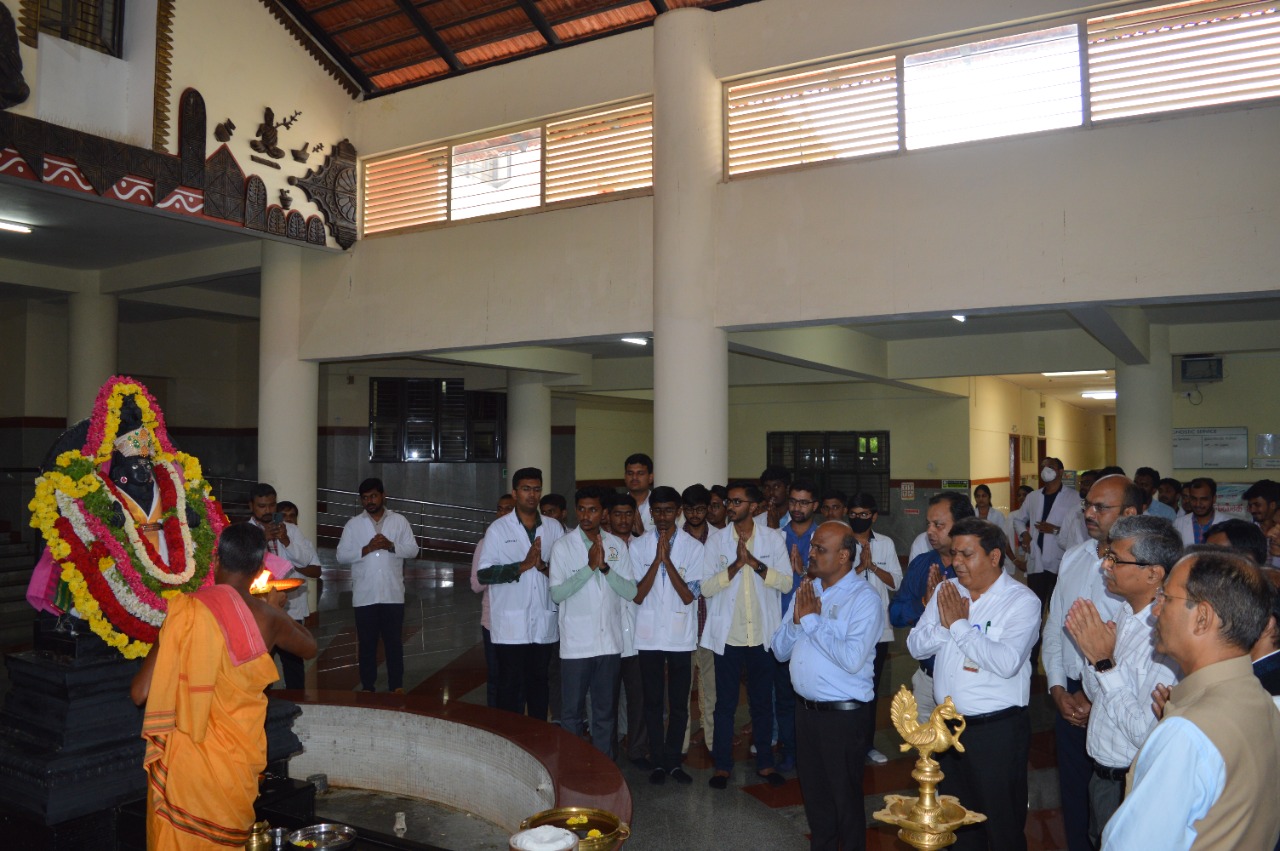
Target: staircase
[16,615]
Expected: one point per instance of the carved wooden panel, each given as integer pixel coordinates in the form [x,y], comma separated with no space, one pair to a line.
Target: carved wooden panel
[332,188]
[295,226]
[255,204]
[275,220]
[315,230]
[191,139]
[224,187]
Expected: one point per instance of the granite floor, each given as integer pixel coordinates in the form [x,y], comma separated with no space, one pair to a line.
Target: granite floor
[444,660]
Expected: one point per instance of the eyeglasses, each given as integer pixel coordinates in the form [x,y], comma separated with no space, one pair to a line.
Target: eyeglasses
[862,515]
[794,501]
[1110,555]
[735,501]
[1161,596]
[1098,507]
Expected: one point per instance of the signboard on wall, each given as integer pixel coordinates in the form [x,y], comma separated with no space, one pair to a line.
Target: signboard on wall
[907,491]
[1211,448]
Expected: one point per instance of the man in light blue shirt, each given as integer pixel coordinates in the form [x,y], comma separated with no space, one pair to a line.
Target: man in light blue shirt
[1148,479]
[829,635]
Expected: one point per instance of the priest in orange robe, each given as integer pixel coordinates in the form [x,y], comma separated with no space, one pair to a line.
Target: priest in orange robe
[203,684]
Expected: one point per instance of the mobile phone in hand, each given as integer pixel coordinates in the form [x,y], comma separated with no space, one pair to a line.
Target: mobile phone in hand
[277,518]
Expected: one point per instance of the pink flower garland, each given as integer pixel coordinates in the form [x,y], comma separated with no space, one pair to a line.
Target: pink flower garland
[98,425]
[121,558]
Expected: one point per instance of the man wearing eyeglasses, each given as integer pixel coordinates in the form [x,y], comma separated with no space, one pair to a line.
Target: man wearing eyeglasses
[1080,578]
[981,626]
[745,574]
[1123,669]
[798,534]
[1206,777]
[876,561]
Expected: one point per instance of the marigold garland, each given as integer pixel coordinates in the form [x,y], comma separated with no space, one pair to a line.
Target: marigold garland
[116,577]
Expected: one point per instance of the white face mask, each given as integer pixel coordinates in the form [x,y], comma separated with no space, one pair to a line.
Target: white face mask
[1048,474]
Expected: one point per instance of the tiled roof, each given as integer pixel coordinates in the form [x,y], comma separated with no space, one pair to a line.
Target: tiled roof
[382,46]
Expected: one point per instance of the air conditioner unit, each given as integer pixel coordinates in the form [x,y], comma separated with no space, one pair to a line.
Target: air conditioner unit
[1198,369]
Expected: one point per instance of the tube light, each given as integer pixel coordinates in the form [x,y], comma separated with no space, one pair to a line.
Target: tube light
[636,341]
[959,317]
[15,227]
[1074,372]
[1099,394]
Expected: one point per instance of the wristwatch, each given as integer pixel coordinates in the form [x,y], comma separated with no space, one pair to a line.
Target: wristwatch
[1103,665]
[604,568]
[760,568]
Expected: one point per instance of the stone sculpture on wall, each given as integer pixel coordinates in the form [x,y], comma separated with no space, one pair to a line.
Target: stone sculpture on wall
[13,88]
[332,188]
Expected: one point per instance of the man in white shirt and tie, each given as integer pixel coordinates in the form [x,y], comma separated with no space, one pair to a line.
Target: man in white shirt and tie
[981,626]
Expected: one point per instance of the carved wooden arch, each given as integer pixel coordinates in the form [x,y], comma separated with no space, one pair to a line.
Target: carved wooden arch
[255,204]
[191,138]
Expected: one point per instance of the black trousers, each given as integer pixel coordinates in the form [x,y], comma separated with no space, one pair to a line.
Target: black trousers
[632,683]
[877,670]
[524,665]
[991,777]
[380,622]
[666,675]
[831,748]
[293,667]
[1074,770]
[1042,584]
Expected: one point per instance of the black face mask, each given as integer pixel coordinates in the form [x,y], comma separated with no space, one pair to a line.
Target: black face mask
[860,524]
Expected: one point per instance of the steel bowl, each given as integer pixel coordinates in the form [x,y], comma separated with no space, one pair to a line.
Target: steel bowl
[329,837]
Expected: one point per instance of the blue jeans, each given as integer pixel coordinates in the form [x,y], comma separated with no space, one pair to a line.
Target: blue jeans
[599,676]
[759,665]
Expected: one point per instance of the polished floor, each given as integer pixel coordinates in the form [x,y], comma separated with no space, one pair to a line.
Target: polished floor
[444,662]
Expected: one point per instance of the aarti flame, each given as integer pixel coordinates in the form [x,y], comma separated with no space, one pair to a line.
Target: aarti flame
[262,583]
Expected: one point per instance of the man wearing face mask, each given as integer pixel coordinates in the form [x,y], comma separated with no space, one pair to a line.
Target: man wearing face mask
[876,560]
[1056,525]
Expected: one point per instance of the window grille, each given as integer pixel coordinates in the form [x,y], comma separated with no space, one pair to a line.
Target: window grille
[847,110]
[1182,55]
[97,24]
[601,153]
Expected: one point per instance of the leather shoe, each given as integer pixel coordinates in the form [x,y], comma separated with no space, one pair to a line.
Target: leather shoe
[718,781]
[657,777]
[681,776]
[773,778]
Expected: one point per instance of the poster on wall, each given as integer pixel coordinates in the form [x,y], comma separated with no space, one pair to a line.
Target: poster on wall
[1220,448]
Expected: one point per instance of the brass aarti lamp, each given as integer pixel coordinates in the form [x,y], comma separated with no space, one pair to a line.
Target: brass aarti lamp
[926,821]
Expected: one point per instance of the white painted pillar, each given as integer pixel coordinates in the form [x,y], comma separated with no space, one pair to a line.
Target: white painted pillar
[690,354]
[288,388]
[1144,409]
[528,425]
[93,350]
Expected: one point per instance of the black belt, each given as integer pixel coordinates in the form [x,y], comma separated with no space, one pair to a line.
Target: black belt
[1110,773]
[988,717]
[829,705]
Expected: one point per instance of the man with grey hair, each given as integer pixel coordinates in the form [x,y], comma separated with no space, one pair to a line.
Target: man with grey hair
[1122,668]
[1207,775]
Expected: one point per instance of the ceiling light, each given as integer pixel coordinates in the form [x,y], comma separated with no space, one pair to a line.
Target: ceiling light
[1099,394]
[1074,372]
[636,341]
[16,227]
[959,317]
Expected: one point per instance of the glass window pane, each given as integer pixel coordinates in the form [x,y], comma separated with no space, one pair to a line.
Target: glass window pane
[999,87]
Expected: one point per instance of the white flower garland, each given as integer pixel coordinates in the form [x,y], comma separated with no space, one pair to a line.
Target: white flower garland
[140,550]
[128,600]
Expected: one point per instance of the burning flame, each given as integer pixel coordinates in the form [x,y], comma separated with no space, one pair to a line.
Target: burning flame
[261,583]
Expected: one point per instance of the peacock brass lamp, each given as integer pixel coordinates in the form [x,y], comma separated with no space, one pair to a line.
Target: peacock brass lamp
[926,821]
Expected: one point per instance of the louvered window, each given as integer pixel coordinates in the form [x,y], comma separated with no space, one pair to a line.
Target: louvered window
[1182,55]
[433,419]
[847,110]
[406,190]
[600,153]
[999,87]
[558,161]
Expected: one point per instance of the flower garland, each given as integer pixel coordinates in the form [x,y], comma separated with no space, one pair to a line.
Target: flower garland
[117,578]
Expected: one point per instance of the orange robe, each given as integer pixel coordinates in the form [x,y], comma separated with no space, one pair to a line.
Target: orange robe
[204,723]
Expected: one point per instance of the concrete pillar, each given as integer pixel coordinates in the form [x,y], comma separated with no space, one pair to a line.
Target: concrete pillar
[1144,409]
[529,425]
[93,350]
[288,388]
[690,354]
